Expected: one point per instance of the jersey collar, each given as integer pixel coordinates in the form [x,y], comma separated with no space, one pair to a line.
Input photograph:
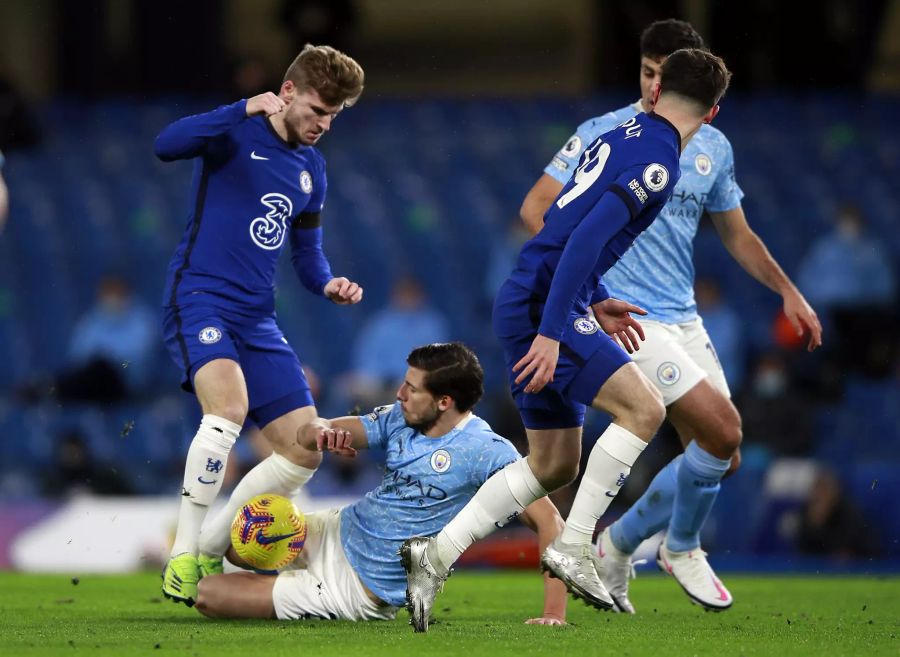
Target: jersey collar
[665,121]
[287,144]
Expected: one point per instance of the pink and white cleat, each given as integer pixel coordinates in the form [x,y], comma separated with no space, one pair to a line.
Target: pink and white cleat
[693,572]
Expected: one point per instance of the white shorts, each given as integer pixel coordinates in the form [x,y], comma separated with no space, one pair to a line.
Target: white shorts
[320,583]
[676,357]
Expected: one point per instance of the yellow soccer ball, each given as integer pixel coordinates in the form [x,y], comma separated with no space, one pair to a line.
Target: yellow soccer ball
[268,532]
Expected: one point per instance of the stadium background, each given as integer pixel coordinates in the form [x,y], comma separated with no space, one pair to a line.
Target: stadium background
[465,104]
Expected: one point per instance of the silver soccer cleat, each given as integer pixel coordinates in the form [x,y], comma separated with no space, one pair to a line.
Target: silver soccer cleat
[615,568]
[423,583]
[574,565]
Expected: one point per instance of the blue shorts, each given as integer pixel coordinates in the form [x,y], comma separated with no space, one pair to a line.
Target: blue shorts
[587,358]
[198,333]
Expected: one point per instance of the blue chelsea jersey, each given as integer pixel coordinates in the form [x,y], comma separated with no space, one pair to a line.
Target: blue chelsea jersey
[427,481]
[657,273]
[637,162]
[249,188]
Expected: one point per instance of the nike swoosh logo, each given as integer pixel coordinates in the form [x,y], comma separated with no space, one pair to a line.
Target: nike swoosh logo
[262,539]
[723,595]
[254,156]
[609,493]
[203,481]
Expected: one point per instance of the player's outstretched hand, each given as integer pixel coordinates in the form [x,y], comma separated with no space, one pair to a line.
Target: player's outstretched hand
[546,620]
[319,435]
[803,318]
[343,291]
[540,361]
[266,104]
[615,319]
[336,441]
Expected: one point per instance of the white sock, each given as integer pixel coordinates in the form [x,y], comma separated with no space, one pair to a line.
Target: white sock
[610,462]
[204,469]
[274,474]
[499,500]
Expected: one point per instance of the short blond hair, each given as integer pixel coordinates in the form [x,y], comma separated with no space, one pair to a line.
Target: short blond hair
[336,77]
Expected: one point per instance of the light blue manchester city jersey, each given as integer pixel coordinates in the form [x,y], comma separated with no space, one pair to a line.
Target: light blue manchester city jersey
[657,272]
[426,482]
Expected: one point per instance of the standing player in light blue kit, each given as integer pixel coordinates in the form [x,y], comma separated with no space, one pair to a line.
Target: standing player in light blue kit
[437,454]
[258,183]
[677,356]
[558,359]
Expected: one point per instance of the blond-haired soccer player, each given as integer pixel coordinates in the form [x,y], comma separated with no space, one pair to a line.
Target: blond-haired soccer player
[259,182]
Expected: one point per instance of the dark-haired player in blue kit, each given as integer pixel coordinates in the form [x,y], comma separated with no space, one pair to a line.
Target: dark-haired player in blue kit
[258,183]
[558,357]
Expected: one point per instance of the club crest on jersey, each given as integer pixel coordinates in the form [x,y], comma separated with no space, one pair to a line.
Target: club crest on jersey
[703,164]
[668,373]
[268,232]
[440,460]
[572,147]
[655,177]
[305,182]
[585,326]
[210,335]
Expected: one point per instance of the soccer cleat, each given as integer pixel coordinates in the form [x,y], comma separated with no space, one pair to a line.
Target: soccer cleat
[693,572]
[615,568]
[180,576]
[422,581]
[209,565]
[574,565]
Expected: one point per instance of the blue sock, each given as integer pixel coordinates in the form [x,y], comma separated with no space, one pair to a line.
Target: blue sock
[698,486]
[650,513]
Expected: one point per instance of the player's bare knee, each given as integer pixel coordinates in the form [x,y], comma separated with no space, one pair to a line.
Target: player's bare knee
[648,413]
[555,474]
[735,464]
[234,411]
[299,455]
[730,432]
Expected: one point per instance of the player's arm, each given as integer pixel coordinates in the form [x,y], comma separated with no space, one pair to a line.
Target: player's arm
[342,435]
[312,266]
[543,517]
[748,249]
[538,201]
[579,258]
[188,137]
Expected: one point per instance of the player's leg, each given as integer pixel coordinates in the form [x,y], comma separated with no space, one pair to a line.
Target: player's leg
[222,393]
[236,595]
[280,403]
[712,419]
[284,472]
[553,456]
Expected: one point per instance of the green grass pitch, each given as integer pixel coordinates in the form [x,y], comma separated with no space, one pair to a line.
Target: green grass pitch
[478,614]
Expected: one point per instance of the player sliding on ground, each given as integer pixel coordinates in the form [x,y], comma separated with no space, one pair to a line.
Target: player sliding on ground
[437,454]
[678,356]
[258,183]
[558,358]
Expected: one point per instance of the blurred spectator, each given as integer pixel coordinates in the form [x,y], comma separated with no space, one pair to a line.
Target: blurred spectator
[385,340]
[774,412]
[110,352]
[831,525]
[78,471]
[724,328]
[847,275]
[847,268]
